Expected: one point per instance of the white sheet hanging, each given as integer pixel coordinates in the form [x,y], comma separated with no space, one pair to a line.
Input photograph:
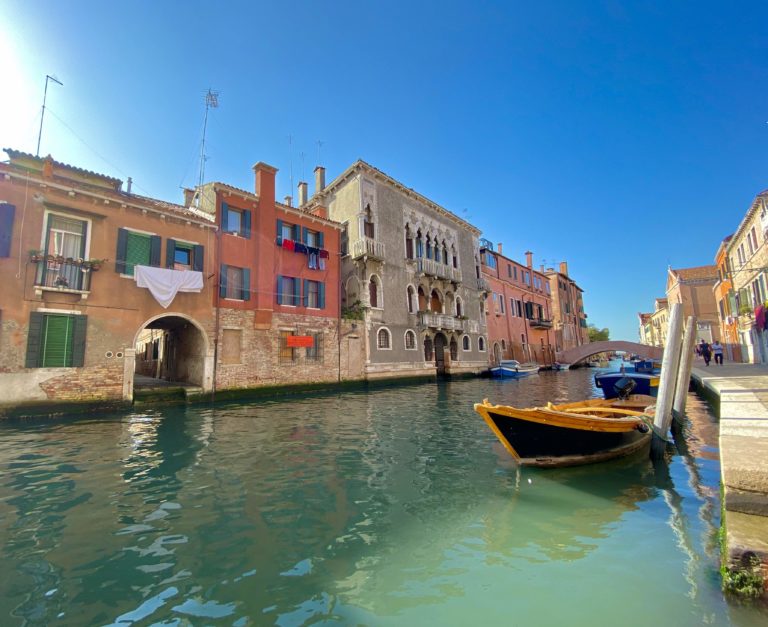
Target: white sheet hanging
[164,283]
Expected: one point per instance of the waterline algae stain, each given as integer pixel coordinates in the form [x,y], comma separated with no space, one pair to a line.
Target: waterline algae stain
[393,507]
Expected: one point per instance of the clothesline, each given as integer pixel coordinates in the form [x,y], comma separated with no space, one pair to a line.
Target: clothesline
[315,256]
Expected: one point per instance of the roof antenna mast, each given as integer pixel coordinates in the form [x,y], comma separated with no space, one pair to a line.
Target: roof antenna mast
[211,102]
[42,116]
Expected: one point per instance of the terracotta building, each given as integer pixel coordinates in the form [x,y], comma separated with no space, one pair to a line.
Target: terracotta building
[692,287]
[277,276]
[725,298]
[568,316]
[75,299]
[747,255]
[519,308]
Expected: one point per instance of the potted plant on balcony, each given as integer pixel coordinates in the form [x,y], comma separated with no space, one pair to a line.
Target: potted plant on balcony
[36,255]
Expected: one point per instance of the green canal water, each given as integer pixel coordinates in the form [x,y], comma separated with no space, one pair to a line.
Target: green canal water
[390,507]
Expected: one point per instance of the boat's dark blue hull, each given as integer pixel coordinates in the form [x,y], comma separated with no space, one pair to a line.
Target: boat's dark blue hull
[644,383]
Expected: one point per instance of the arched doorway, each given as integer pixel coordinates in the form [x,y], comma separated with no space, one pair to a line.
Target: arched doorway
[428,349]
[440,342]
[172,349]
[454,349]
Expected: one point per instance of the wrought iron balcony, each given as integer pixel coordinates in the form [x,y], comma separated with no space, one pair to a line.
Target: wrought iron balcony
[62,275]
[483,285]
[540,323]
[368,247]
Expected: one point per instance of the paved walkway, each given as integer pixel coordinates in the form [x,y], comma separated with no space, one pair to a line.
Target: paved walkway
[743,393]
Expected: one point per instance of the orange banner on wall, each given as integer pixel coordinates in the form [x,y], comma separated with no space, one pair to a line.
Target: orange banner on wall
[300,341]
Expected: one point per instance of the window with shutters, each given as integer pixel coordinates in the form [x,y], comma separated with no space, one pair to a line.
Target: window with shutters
[56,340]
[136,248]
[235,221]
[184,255]
[312,294]
[234,283]
[288,291]
[6,228]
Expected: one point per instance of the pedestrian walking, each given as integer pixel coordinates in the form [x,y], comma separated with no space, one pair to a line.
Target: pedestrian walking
[706,352]
[717,351]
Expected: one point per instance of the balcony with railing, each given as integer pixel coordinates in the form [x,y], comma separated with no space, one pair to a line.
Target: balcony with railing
[540,323]
[483,285]
[433,320]
[63,275]
[368,247]
[430,267]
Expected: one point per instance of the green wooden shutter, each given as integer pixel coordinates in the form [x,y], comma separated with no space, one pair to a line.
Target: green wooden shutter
[279,290]
[198,257]
[138,252]
[304,235]
[320,239]
[154,251]
[6,228]
[296,292]
[296,230]
[170,252]
[223,281]
[122,250]
[321,295]
[247,224]
[246,295]
[224,217]
[34,337]
[306,293]
[57,341]
[78,340]
[279,238]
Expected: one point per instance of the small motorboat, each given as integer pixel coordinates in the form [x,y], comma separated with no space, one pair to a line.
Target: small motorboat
[513,369]
[616,384]
[558,366]
[571,434]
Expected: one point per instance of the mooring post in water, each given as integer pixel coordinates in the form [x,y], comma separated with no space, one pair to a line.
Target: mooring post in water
[669,368]
[684,372]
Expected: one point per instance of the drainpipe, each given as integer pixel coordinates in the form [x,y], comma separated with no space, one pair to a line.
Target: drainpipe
[218,307]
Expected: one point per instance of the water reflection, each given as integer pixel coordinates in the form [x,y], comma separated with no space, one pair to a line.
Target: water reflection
[393,506]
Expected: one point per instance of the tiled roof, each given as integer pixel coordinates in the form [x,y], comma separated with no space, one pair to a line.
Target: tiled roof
[699,273]
[18,154]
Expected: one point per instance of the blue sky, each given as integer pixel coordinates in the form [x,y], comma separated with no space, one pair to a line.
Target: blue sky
[622,137]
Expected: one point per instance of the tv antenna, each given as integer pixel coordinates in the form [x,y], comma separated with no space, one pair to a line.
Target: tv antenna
[211,102]
[42,116]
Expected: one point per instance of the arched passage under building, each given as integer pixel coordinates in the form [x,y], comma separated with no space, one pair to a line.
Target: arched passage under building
[169,349]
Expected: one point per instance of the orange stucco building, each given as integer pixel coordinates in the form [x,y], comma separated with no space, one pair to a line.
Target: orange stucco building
[518,309]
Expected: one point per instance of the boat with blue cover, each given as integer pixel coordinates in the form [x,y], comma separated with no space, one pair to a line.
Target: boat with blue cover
[513,369]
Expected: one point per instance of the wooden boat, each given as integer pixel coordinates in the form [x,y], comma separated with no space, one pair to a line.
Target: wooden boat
[613,383]
[571,434]
[513,369]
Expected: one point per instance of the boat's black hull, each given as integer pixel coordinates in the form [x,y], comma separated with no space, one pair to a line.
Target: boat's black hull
[549,445]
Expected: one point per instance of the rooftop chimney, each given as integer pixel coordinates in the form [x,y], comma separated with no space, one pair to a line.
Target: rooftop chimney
[564,268]
[500,248]
[265,181]
[130,184]
[189,195]
[529,258]
[302,193]
[288,201]
[319,179]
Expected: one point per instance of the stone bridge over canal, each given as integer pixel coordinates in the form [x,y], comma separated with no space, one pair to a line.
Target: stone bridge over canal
[580,353]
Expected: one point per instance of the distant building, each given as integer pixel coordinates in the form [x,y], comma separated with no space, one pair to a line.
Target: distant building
[725,299]
[692,288]
[645,328]
[659,322]
[748,262]
[519,308]
[410,273]
[568,316]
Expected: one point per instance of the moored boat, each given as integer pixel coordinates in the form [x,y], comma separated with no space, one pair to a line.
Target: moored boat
[615,384]
[513,369]
[571,434]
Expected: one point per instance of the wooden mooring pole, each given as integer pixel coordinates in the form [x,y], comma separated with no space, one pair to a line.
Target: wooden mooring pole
[669,367]
[684,372]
